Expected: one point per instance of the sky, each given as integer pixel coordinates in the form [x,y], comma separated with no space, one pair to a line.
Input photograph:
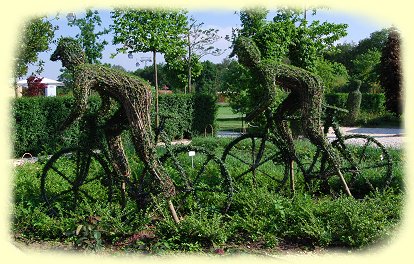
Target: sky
[359,27]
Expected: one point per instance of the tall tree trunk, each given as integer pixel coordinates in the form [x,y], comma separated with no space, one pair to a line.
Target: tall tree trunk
[156,88]
[189,63]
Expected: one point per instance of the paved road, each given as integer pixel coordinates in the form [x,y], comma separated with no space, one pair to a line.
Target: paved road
[389,137]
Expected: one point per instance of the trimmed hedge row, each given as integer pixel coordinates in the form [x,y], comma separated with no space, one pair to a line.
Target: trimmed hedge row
[372,103]
[205,114]
[36,120]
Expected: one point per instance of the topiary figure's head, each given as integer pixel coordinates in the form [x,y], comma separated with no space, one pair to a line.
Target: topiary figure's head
[247,52]
[70,52]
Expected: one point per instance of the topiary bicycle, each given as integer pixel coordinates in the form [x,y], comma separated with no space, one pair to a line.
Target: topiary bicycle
[82,173]
[259,161]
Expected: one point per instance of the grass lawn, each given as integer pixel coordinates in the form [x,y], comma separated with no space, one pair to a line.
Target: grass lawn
[227,120]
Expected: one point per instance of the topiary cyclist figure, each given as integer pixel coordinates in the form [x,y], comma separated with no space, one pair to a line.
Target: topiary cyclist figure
[134,96]
[305,96]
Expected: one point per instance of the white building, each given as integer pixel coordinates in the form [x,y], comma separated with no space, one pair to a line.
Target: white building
[51,85]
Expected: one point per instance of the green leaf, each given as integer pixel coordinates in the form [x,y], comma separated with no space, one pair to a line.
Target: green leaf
[97,235]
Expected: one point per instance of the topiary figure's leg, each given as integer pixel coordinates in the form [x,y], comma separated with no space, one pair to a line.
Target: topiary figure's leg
[139,119]
[314,133]
[288,107]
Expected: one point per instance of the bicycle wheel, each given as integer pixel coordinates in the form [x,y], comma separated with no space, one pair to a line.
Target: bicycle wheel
[256,162]
[312,165]
[201,180]
[74,175]
[366,164]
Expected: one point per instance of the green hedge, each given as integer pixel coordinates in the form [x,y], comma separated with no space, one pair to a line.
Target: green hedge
[178,112]
[372,103]
[205,113]
[36,120]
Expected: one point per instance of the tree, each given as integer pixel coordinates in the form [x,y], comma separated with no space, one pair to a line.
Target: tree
[200,43]
[272,38]
[391,73]
[88,37]
[236,81]
[36,36]
[309,41]
[333,74]
[365,68]
[153,31]
[289,35]
[66,77]
[35,87]
[342,53]
[375,41]
[209,79]
[147,73]
[362,59]
[288,38]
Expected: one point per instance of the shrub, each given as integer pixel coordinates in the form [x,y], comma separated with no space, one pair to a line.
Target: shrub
[36,123]
[336,99]
[205,113]
[353,103]
[256,217]
[35,87]
[37,119]
[373,103]
[177,110]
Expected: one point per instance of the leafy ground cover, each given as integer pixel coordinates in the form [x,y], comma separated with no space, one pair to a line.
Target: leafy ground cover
[258,219]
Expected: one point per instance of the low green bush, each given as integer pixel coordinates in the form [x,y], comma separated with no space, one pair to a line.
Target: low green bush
[257,217]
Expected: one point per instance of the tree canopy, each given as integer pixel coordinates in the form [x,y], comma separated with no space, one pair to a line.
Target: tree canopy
[150,30]
[199,43]
[153,30]
[289,35]
[89,37]
[35,37]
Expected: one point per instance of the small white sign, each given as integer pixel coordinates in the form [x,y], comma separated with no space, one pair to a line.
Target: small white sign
[191,153]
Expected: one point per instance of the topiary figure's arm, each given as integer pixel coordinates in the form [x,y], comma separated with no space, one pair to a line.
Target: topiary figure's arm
[81,92]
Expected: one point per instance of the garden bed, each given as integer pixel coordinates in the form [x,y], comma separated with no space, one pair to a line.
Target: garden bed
[258,221]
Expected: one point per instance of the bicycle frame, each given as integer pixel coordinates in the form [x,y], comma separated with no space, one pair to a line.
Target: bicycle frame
[308,173]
